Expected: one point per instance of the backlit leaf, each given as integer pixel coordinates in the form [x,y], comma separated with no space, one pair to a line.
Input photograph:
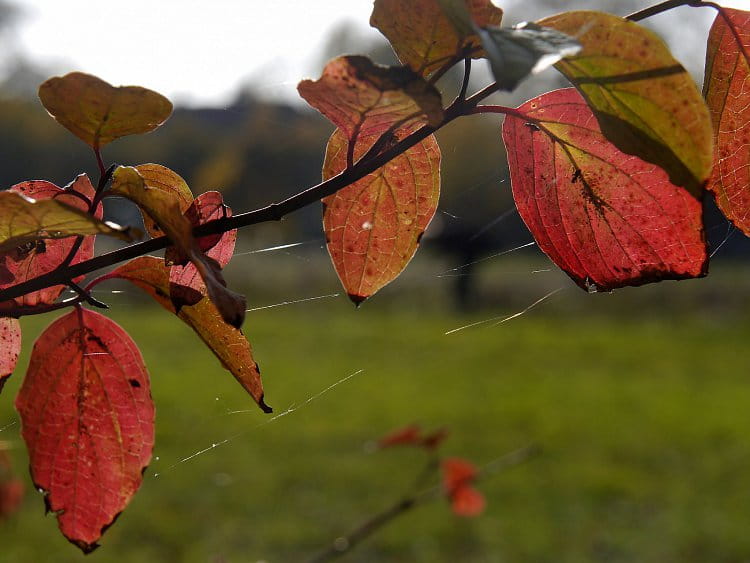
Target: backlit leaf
[524,49]
[160,177]
[24,220]
[427,34]
[228,344]
[727,87]
[186,286]
[645,101]
[97,112]
[164,207]
[10,347]
[40,257]
[607,218]
[88,422]
[374,225]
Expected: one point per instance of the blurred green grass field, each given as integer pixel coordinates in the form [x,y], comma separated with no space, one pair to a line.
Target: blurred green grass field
[641,416]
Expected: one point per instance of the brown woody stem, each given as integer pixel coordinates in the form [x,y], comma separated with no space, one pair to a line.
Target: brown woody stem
[273,212]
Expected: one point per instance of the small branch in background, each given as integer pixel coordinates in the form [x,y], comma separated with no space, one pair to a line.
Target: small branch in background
[344,544]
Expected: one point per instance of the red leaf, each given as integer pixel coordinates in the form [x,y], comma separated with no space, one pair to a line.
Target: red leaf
[458,475]
[608,219]
[467,501]
[186,284]
[726,87]
[10,340]
[373,226]
[38,258]
[88,422]
[11,489]
[409,435]
[457,472]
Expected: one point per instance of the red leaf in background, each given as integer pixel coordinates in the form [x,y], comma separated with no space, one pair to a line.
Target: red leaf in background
[11,488]
[726,88]
[88,422]
[373,226]
[186,286]
[607,218]
[10,340]
[35,259]
[409,435]
[412,436]
[458,476]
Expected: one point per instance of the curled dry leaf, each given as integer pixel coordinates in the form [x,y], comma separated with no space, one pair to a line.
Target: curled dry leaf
[97,112]
[164,207]
[186,286]
[374,225]
[158,177]
[606,218]
[42,256]
[10,347]
[227,343]
[726,88]
[645,101]
[88,422]
[428,34]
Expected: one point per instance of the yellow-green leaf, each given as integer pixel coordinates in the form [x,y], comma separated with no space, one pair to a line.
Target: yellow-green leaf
[24,220]
[645,101]
[97,112]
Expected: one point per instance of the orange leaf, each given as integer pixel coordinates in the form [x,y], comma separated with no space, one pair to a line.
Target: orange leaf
[88,422]
[458,475]
[98,113]
[10,340]
[425,37]
[227,343]
[374,225]
[726,88]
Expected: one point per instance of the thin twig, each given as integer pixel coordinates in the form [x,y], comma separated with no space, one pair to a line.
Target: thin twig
[666,6]
[345,544]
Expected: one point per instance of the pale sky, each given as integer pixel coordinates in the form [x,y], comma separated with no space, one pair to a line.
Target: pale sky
[200,51]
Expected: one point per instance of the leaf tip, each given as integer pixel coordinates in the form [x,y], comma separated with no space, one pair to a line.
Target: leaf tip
[263,406]
[357,299]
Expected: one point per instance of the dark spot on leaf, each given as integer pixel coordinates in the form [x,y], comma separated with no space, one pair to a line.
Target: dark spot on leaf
[134,383]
